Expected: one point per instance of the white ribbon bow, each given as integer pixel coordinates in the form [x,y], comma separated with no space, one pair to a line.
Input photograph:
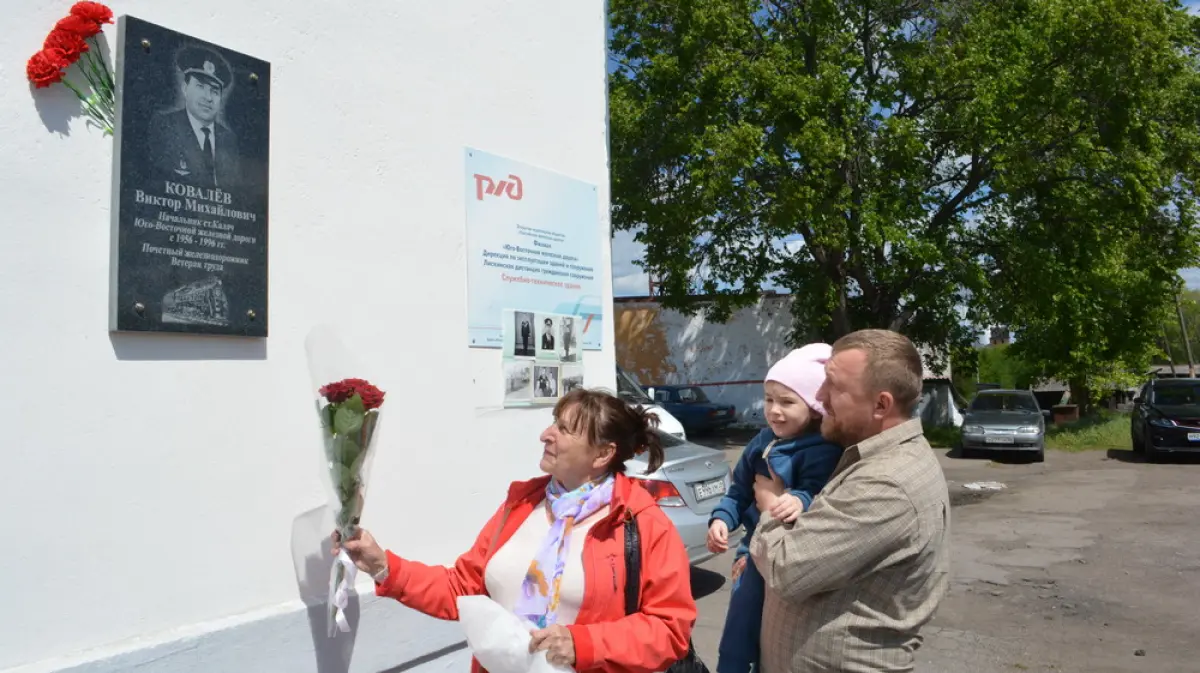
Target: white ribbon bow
[341,580]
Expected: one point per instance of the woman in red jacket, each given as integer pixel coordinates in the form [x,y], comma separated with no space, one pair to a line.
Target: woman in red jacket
[554,551]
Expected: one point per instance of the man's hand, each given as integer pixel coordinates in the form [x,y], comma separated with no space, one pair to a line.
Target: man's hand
[718,537]
[767,491]
[558,643]
[787,507]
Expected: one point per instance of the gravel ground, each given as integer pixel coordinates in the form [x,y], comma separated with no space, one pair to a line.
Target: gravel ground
[1089,562]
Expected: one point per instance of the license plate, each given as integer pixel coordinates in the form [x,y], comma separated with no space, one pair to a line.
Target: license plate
[1194,436]
[722,413]
[999,439]
[709,489]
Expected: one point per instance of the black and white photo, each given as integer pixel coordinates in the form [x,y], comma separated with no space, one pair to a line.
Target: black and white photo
[190,185]
[545,382]
[524,334]
[568,339]
[547,336]
[518,381]
[190,140]
[572,378]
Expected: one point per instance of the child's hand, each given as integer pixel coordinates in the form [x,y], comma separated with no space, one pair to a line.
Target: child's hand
[738,566]
[718,537]
[787,507]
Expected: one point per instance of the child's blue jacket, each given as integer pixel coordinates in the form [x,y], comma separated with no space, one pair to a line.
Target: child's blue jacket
[804,464]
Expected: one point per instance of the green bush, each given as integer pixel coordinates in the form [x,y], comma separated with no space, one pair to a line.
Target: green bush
[942,438]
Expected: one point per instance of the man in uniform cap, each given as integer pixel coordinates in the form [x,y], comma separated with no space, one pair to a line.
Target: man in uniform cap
[191,145]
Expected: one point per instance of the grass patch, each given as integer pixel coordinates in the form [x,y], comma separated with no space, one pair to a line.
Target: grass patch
[1100,431]
[942,438]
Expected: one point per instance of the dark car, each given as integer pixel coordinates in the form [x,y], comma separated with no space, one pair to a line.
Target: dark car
[1166,418]
[1004,420]
[692,407]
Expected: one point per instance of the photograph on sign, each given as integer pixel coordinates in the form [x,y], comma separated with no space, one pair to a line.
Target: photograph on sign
[572,377]
[549,328]
[533,240]
[518,382]
[546,383]
[190,185]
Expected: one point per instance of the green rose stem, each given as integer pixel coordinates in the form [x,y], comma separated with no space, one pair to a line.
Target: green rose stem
[351,427]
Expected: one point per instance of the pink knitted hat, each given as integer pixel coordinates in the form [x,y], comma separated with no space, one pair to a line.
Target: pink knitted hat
[803,370]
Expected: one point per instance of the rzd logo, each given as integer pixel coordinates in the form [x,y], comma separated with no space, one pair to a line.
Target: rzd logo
[511,187]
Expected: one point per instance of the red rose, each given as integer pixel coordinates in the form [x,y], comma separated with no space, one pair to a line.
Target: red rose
[341,391]
[46,67]
[92,11]
[71,44]
[337,392]
[372,397]
[82,27]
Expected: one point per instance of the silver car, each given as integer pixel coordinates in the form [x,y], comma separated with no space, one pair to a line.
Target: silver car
[1004,420]
[688,486]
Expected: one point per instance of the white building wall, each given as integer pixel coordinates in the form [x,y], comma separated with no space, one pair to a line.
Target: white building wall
[161,494]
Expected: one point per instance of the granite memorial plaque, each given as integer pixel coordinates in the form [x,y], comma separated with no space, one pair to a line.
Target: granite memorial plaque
[190,185]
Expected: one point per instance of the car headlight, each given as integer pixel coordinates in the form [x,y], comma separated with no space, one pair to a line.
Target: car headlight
[1162,423]
[972,429]
[1027,430]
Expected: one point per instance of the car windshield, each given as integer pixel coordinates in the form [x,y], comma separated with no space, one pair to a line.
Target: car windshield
[692,395]
[1177,394]
[629,390]
[1004,402]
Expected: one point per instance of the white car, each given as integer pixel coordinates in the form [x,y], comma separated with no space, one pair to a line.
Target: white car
[629,390]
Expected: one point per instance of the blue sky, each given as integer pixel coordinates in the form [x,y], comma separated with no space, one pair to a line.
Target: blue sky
[629,280]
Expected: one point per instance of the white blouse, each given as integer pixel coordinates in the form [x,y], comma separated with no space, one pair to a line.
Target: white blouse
[506,570]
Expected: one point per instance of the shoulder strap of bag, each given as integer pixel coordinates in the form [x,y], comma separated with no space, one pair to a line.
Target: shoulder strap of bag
[633,564]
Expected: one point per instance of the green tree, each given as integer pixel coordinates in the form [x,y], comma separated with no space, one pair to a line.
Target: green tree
[877,135]
[1170,341]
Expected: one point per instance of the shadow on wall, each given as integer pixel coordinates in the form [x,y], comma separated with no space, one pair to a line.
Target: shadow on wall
[661,346]
[185,347]
[313,563]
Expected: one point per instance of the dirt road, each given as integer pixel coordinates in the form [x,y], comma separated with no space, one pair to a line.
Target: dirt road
[1086,563]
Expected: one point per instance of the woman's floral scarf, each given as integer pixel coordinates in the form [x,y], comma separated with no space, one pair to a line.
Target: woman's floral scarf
[538,601]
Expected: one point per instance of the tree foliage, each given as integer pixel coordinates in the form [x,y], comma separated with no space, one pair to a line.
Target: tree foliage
[913,164]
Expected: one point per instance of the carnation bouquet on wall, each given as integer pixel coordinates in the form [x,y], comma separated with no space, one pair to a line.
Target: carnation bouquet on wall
[74,40]
[349,412]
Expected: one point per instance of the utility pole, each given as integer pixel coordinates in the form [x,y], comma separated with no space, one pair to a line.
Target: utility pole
[1167,343]
[1187,342]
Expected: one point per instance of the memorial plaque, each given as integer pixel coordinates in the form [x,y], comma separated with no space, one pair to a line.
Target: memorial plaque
[190,185]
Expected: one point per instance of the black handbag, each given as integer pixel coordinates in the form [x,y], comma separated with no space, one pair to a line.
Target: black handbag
[691,662]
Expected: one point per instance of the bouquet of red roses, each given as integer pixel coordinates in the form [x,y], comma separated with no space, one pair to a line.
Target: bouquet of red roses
[348,409]
[72,41]
[349,419]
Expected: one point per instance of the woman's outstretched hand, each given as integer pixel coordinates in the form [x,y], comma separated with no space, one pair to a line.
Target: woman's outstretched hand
[363,550]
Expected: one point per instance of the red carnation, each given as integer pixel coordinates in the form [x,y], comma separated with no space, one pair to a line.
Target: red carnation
[82,27]
[92,11]
[71,44]
[46,67]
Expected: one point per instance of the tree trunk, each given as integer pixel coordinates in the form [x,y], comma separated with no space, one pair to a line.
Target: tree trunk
[1081,396]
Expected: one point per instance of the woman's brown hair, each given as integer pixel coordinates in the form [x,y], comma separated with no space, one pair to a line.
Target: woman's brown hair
[602,418]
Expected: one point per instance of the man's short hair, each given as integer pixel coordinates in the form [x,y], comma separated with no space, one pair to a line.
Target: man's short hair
[893,364]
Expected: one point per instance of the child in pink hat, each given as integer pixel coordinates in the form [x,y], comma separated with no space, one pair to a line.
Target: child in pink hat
[792,448]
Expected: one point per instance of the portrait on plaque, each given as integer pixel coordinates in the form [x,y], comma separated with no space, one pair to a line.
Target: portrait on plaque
[190,185]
